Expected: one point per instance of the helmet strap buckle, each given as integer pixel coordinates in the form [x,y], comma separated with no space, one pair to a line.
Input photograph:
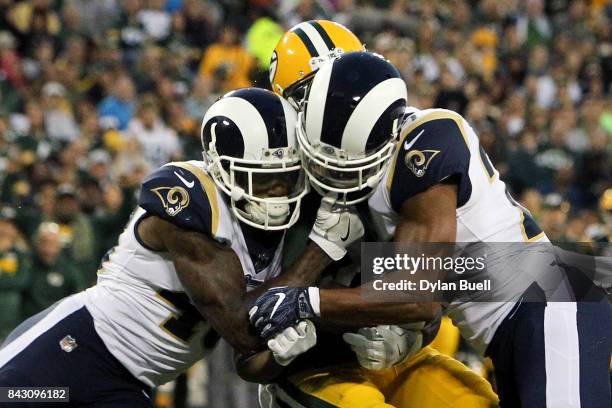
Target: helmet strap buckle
[372,181]
[237,193]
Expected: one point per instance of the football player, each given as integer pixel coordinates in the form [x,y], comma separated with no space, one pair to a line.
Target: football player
[204,233]
[427,378]
[438,186]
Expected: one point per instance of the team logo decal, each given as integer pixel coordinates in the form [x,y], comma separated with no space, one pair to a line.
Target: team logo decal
[273,65]
[174,198]
[418,160]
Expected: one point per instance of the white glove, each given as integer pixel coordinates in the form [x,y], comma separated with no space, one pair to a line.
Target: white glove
[292,342]
[384,346]
[335,228]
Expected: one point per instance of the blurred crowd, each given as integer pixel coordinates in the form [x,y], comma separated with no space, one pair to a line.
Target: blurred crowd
[95,94]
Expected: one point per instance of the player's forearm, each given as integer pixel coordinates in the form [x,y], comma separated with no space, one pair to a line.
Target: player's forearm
[212,277]
[221,298]
[347,307]
[233,325]
[259,368]
[306,270]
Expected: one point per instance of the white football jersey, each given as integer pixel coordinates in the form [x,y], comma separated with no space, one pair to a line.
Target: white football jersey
[437,144]
[139,306]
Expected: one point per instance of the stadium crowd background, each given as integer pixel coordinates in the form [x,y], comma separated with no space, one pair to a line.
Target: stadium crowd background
[95,94]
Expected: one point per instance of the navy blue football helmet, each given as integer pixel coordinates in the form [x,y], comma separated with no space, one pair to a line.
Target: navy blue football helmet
[349,123]
[249,144]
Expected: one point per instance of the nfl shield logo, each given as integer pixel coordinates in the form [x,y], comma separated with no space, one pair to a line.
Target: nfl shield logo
[68,343]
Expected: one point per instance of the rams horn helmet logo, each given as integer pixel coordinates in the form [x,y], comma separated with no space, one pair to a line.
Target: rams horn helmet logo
[418,160]
[176,198]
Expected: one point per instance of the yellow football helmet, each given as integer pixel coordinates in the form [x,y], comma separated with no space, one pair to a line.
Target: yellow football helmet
[301,51]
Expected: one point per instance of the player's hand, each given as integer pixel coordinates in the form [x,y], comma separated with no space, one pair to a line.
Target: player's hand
[335,228]
[282,307]
[384,346]
[292,342]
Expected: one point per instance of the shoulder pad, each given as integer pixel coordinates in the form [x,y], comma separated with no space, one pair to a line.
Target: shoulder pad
[183,194]
[433,147]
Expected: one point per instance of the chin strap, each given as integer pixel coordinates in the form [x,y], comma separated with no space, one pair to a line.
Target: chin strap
[276,213]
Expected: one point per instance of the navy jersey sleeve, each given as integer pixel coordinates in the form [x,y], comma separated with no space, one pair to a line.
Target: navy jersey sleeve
[433,152]
[182,194]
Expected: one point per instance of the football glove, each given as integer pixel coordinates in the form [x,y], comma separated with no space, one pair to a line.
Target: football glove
[282,307]
[384,346]
[292,342]
[335,228]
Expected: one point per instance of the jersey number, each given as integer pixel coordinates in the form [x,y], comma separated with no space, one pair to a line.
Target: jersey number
[182,323]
